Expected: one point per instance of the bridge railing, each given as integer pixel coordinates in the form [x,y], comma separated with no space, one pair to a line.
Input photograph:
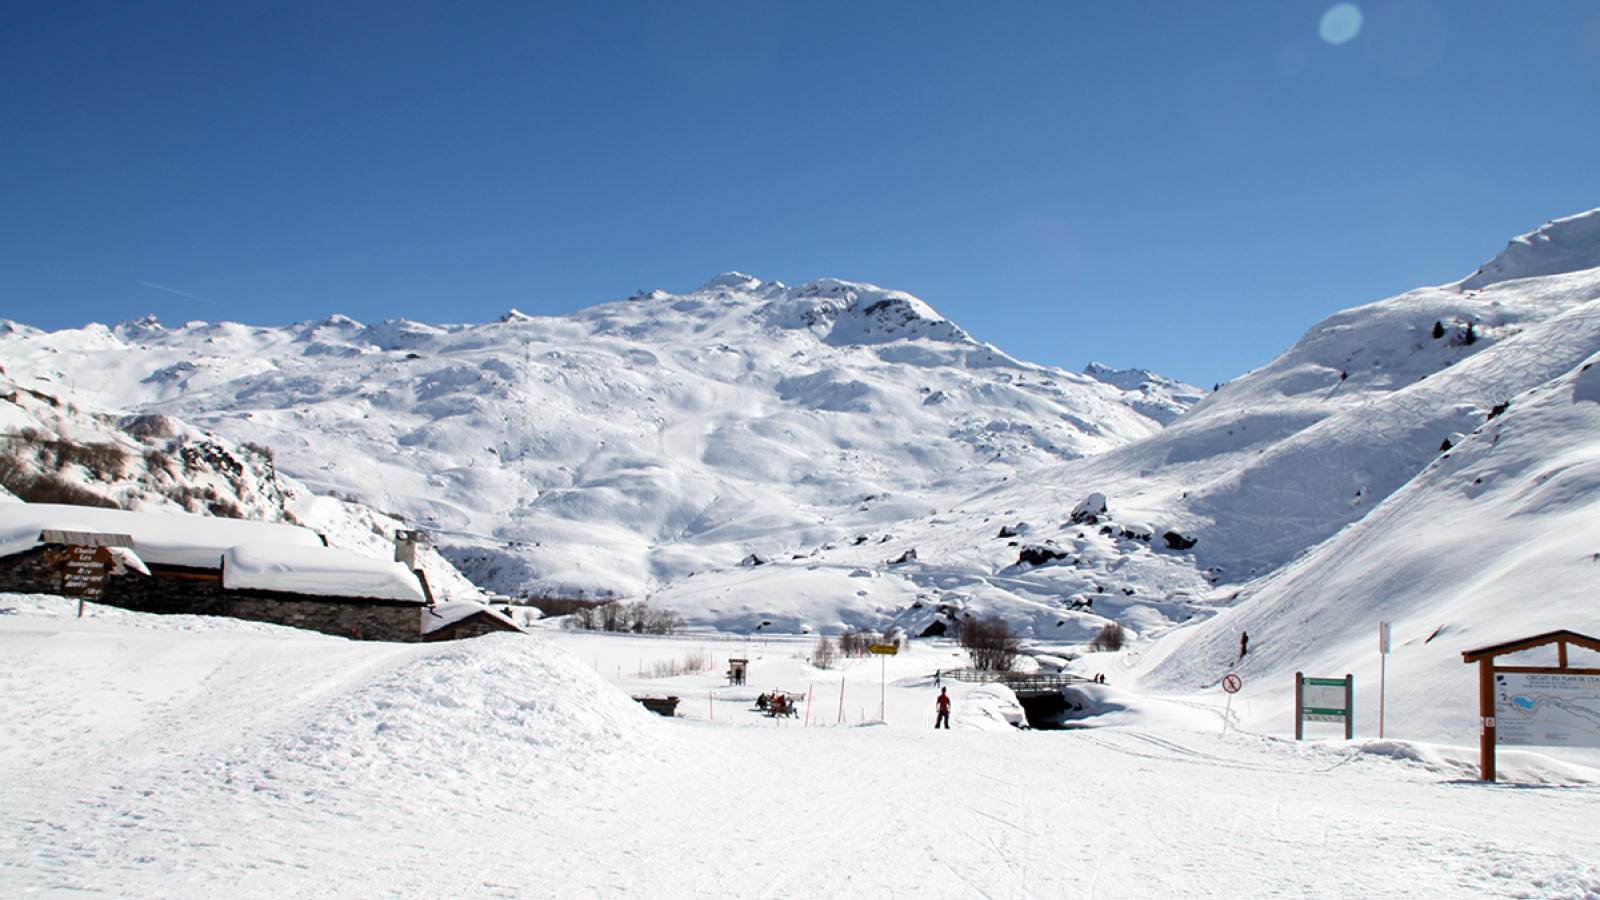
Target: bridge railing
[1017,681]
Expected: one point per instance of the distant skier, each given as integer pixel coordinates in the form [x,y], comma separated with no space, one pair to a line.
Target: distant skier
[1244,643]
[944,710]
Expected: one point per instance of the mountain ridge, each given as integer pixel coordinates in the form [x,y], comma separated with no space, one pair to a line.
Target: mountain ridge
[652,426]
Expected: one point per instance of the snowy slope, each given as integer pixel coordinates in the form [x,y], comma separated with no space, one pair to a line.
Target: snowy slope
[1494,541]
[1256,474]
[183,757]
[618,449]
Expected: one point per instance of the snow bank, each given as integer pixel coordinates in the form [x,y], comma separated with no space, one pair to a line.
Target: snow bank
[1511,765]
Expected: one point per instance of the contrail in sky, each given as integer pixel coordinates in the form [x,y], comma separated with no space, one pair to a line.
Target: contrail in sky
[180,293]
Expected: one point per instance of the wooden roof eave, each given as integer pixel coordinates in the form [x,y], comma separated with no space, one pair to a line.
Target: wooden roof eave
[1553,637]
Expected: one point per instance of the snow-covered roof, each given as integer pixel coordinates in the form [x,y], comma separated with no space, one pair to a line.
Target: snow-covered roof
[449,612]
[318,571]
[158,538]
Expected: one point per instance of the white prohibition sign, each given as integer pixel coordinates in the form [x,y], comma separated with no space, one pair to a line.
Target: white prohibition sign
[1232,683]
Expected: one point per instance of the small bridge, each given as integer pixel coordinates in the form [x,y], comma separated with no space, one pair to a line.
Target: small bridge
[1039,694]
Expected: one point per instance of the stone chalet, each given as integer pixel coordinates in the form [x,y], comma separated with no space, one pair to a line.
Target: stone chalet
[260,571]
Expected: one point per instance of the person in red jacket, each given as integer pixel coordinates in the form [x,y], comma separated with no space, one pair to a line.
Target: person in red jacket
[944,710]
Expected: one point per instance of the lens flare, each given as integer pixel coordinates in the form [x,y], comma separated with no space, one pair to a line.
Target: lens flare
[1341,23]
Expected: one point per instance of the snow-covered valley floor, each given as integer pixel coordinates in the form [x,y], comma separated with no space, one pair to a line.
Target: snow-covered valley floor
[184,757]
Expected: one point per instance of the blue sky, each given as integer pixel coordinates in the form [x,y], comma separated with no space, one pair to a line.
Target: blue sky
[1185,187]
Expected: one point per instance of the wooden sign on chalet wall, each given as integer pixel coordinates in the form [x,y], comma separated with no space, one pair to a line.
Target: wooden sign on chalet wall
[85,562]
[84,571]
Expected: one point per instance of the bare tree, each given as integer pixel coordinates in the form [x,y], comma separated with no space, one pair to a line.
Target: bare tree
[990,643]
[1109,637]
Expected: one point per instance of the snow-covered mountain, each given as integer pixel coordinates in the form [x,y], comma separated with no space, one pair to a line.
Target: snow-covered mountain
[754,455]
[617,450]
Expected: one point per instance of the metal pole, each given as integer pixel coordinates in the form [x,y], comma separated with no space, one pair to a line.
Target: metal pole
[1299,706]
[883,689]
[1383,687]
[1349,706]
[1383,672]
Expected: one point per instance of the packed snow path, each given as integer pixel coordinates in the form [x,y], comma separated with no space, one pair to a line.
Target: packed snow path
[186,757]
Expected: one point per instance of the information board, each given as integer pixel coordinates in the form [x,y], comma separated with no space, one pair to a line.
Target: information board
[1547,709]
[1322,699]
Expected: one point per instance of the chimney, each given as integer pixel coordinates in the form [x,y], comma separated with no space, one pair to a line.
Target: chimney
[405,547]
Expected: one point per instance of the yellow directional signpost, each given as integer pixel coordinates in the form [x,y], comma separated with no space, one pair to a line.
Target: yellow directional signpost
[882,651]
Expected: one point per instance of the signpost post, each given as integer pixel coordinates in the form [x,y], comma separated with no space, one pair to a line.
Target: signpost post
[883,651]
[1383,670]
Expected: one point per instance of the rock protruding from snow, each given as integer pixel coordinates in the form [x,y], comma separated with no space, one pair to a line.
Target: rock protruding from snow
[1039,555]
[1089,510]
[1176,541]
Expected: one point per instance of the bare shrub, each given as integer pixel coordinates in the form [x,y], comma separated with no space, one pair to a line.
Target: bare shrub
[558,606]
[12,471]
[1110,637]
[104,461]
[224,508]
[663,621]
[582,618]
[49,488]
[150,427]
[158,460]
[990,643]
[826,653]
[854,643]
[260,450]
[693,662]
[613,616]
[637,617]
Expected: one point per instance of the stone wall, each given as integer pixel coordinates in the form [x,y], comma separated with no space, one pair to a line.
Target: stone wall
[200,592]
[369,620]
[29,573]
